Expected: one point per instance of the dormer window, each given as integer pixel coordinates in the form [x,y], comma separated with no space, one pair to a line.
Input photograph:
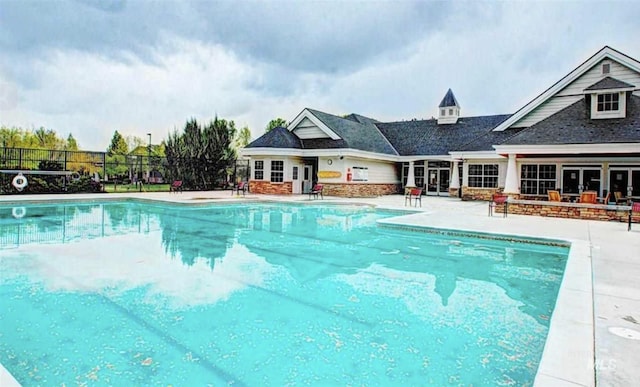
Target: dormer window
[608,102]
[608,105]
[608,97]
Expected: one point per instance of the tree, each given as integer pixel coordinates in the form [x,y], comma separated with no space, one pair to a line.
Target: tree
[72,145]
[200,156]
[243,138]
[118,145]
[275,123]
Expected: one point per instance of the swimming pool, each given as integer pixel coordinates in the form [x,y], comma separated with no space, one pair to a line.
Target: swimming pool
[140,294]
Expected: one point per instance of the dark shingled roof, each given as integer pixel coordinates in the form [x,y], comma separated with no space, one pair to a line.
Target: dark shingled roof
[449,100]
[485,142]
[573,125]
[276,138]
[609,83]
[356,131]
[426,137]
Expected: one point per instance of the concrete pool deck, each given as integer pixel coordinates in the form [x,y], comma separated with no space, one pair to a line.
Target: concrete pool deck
[594,336]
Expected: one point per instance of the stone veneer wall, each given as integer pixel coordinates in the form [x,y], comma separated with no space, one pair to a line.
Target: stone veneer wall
[569,210]
[267,187]
[471,193]
[351,190]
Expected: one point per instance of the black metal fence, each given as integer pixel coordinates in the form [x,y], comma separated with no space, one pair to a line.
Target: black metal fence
[59,171]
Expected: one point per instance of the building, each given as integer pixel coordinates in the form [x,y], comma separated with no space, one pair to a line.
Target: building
[582,133]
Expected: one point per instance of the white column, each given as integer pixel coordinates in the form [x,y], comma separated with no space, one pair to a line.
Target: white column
[511,184]
[454,182]
[411,179]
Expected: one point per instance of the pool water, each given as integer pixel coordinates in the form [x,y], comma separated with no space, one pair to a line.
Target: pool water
[264,295]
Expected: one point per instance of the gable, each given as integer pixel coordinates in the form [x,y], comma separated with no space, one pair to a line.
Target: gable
[307,126]
[571,88]
[306,129]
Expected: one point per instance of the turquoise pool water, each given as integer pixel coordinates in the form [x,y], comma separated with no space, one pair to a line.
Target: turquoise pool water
[264,295]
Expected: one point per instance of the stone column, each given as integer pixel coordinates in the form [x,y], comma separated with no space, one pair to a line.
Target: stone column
[512,184]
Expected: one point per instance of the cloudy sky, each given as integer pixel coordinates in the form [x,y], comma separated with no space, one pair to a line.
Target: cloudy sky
[90,67]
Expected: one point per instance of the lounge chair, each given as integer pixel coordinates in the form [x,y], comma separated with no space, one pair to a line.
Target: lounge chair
[176,186]
[635,207]
[619,198]
[554,196]
[316,190]
[413,194]
[240,187]
[496,199]
[588,197]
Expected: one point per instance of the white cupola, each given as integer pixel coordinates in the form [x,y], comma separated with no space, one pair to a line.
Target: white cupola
[449,109]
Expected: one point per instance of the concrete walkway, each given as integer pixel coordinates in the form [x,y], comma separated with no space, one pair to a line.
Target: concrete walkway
[594,336]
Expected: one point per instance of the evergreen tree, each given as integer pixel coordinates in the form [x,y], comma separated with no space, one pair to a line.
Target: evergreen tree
[200,156]
[118,145]
[72,144]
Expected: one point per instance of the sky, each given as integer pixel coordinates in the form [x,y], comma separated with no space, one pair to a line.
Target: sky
[91,67]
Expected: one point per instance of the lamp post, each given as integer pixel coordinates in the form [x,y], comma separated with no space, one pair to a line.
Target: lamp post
[149,159]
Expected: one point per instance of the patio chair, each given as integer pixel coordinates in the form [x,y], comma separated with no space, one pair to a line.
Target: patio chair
[240,187]
[554,196]
[496,199]
[588,197]
[316,190]
[619,198]
[635,207]
[413,194]
[176,186]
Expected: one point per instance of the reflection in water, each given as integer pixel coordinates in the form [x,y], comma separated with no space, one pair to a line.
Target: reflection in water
[310,242]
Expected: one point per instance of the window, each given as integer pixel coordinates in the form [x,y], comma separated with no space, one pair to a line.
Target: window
[537,179]
[277,171]
[606,68]
[483,175]
[450,112]
[294,173]
[360,174]
[608,102]
[442,112]
[258,170]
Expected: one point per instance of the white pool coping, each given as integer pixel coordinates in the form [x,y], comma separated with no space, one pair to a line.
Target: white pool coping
[597,293]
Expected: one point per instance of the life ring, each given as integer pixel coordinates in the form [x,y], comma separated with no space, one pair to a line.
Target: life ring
[18,212]
[20,182]
[75,176]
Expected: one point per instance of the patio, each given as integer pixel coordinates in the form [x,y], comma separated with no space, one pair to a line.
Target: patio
[597,314]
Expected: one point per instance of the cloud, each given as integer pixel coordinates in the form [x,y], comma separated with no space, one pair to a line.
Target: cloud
[90,67]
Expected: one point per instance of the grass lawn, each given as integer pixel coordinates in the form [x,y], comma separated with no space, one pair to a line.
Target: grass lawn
[109,187]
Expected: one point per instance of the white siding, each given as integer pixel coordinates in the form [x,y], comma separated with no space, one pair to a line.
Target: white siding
[575,91]
[592,76]
[551,106]
[379,172]
[307,129]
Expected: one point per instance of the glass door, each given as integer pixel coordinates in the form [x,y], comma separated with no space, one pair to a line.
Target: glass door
[432,187]
[625,180]
[575,180]
[444,182]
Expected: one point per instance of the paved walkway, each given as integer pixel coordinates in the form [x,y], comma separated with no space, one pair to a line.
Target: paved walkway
[594,337]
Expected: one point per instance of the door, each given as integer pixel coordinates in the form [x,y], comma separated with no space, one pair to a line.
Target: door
[306,179]
[443,177]
[296,181]
[438,181]
[575,180]
[625,180]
